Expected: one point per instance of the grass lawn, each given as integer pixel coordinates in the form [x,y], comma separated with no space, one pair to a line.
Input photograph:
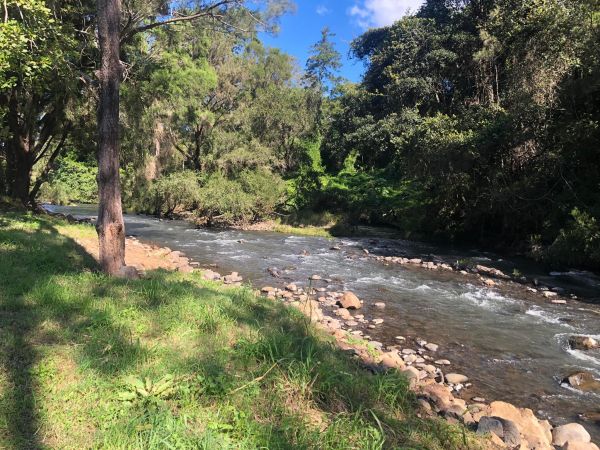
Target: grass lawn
[171,361]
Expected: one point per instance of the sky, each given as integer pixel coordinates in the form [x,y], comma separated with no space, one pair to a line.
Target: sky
[348,19]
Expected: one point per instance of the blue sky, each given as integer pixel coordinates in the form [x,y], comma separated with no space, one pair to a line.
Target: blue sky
[346,18]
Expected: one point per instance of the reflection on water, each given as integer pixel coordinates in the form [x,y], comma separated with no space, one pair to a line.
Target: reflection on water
[514,348]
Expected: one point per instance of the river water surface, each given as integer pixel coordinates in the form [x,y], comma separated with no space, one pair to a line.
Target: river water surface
[512,344]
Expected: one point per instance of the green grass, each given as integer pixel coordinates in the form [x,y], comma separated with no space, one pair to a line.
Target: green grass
[173,362]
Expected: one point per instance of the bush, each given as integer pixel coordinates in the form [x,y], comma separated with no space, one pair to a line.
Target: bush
[252,196]
[71,182]
[577,244]
[175,191]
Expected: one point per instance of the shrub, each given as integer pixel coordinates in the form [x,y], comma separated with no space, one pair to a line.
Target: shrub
[578,243]
[253,195]
[71,182]
[175,191]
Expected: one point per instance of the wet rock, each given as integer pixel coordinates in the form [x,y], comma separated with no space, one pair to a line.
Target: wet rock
[415,261]
[583,343]
[491,271]
[571,432]
[275,272]
[584,381]
[549,294]
[558,302]
[478,399]
[456,378]
[379,305]
[349,301]
[351,323]
[408,351]
[431,347]
[377,321]
[315,277]
[400,338]
[442,362]
[489,282]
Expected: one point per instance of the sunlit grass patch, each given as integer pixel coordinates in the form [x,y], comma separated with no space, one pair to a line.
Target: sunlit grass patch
[171,361]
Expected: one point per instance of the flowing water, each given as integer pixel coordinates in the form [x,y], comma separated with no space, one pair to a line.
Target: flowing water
[512,344]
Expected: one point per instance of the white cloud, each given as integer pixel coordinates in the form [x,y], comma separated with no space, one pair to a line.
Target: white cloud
[323,10]
[379,13]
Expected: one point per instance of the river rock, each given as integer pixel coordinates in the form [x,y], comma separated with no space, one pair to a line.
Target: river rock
[233,277]
[583,343]
[392,360]
[536,433]
[571,432]
[379,305]
[456,378]
[438,394]
[503,428]
[431,347]
[411,373]
[377,321]
[210,275]
[584,381]
[549,294]
[291,287]
[349,301]
[442,362]
[344,313]
[268,289]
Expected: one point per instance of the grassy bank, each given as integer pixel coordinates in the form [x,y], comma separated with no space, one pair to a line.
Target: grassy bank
[173,362]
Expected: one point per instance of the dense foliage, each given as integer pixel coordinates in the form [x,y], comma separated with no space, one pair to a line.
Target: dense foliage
[490,111]
[475,120]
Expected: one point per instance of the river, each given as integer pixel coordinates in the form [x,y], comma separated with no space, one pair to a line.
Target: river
[512,344]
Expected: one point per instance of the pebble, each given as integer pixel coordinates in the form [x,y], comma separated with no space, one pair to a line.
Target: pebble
[377,321]
[442,362]
[408,351]
[379,305]
[400,338]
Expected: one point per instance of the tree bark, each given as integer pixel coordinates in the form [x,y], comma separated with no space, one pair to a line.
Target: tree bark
[19,157]
[110,224]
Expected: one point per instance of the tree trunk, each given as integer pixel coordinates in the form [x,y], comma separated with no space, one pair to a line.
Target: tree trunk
[19,160]
[110,225]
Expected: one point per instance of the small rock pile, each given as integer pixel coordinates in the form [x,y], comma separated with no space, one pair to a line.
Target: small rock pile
[506,425]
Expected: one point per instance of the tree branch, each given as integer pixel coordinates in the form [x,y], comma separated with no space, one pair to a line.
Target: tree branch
[210,11]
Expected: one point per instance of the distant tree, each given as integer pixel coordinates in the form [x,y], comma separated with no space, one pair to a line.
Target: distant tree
[322,68]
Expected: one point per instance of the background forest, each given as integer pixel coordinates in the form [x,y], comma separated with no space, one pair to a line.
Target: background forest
[476,120]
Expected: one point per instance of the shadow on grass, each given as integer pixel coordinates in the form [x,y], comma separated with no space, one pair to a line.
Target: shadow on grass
[36,264]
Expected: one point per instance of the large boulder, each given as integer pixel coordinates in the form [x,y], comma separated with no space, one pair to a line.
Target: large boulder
[503,428]
[536,433]
[571,432]
[583,343]
[349,301]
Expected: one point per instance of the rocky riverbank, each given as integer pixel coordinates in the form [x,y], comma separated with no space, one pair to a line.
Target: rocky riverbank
[440,390]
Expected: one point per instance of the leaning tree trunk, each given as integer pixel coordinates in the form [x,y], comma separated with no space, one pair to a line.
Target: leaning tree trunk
[110,225]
